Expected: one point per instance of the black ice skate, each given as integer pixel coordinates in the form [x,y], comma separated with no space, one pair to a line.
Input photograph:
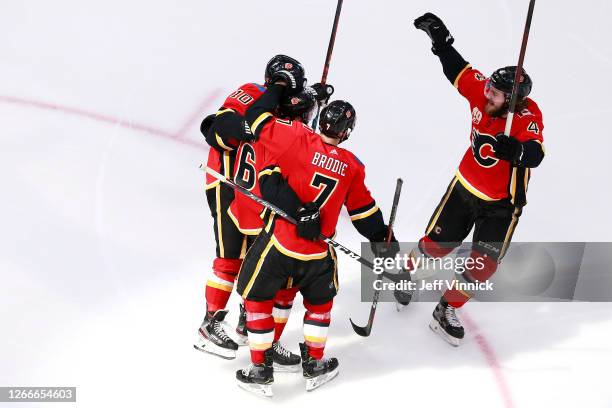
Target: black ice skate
[317,372]
[241,329]
[213,339]
[284,360]
[258,378]
[446,323]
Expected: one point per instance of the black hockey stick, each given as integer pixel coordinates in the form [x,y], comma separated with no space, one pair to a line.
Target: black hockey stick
[330,49]
[391,276]
[332,40]
[519,69]
[367,329]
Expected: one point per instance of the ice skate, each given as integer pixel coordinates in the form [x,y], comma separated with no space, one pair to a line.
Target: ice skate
[317,372]
[241,331]
[258,378]
[213,339]
[446,324]
[284,360]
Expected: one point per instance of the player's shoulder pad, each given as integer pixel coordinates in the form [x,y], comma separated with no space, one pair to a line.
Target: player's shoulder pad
[305,126]
[253,89]
[261,88]
[471,74]
[479,76]
[354,158]
[531,112]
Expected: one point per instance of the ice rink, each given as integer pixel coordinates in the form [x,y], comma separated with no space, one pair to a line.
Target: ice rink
[107,240]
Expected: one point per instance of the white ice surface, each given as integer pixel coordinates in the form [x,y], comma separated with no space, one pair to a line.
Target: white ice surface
[106,239]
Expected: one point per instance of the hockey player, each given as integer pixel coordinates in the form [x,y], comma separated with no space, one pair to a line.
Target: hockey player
[322,177]
[248,215]
[223,132]
[489,189]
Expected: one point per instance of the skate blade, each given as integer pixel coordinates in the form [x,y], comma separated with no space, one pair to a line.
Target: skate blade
[436,328]
[316,382]
[262,390]
[206,346]
[399,307]
[279,368]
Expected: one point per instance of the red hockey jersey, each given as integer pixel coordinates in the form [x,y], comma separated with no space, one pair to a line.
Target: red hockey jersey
[480,171]
[328,175]
[237,102]
[247,214]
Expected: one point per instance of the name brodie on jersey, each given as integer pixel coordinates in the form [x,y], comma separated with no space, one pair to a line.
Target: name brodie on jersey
[329,163]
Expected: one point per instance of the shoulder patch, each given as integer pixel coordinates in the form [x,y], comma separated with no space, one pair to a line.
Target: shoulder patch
[260,87]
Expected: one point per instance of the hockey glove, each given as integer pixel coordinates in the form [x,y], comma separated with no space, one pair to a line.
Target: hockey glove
[441,38]
[322,92]
[293,78]
[508,148]
[308,221]
[383,249]
[207,124]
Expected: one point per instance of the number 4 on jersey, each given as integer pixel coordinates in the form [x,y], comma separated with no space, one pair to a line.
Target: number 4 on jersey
[533,127]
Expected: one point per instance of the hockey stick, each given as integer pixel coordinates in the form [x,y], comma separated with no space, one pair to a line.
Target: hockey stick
[330,49]
[332,40]
[519,69]
[392,277]
[367,329]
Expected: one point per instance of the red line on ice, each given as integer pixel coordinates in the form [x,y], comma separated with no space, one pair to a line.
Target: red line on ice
[178,136]
[197,114]
[492,361]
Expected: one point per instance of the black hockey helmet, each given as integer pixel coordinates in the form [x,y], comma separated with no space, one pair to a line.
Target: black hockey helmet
[337,120]
[298,106]
[503,79]
[279,62]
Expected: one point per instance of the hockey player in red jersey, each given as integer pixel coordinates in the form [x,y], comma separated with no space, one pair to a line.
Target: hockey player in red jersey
[489,189]
[322,178]
[248,215]
[224,131]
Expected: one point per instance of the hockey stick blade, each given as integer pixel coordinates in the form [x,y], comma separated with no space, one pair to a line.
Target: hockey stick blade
[362,331]
[366,330]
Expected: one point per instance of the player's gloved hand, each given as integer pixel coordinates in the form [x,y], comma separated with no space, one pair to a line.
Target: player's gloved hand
[441,38]
[246,135]
[207,124]
[292,77]
[308,221]
[508,148]
[383,249]
[322,92]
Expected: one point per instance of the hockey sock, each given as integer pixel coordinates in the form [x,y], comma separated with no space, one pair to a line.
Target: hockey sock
[432,248]
[283,302]
[316,324]
[476,272]
[260,328]
[220,285]
[426,248]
